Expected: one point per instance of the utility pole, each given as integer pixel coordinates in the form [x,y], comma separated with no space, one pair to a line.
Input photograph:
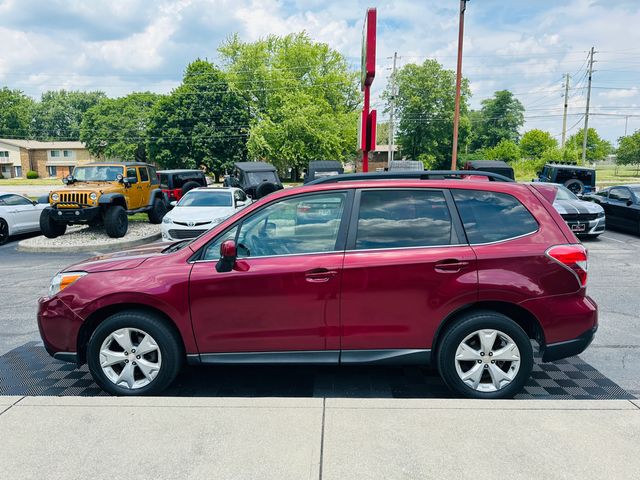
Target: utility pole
[394,92]
[626,123]
[566,104]
[586,113]
[456,114]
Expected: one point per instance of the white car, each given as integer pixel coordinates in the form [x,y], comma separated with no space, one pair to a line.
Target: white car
[18,214]
[199,210]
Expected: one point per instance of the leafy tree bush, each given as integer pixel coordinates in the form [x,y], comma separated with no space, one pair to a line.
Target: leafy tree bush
[506,150]
[597,148]
[32,174]
[499,119]
[629,150]
[534,143]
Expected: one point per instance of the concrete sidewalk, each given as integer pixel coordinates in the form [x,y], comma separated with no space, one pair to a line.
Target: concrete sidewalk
[311,438]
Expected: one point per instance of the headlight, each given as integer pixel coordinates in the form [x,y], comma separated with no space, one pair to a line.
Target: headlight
[167,219]
[601,214]
[63,280]
[93,195]
[55,197]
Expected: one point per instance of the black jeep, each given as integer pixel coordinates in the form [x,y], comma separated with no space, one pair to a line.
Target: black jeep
[579,180]
[257,179]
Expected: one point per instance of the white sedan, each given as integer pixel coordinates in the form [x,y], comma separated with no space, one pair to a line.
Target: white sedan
[199,210]
[18,214]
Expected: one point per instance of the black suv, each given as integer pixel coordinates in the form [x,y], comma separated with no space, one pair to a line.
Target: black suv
[579,180]
[175,183]
[257,179]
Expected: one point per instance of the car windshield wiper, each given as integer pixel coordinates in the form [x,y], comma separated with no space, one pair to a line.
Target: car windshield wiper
[174,247]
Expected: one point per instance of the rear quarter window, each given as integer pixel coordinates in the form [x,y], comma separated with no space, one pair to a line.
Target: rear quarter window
[491,217]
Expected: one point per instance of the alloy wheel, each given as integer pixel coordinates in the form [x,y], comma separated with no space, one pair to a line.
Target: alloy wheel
[130,358]
[487,360]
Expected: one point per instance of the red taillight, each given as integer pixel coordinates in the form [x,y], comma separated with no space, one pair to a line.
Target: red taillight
[574,257]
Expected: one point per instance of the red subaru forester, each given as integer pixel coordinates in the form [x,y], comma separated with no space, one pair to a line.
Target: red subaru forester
[458,273]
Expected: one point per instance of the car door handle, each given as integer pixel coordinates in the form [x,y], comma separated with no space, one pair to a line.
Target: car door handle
[451,265]
[319,275]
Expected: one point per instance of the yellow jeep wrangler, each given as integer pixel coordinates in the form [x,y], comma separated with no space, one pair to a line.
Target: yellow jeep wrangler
[104,194]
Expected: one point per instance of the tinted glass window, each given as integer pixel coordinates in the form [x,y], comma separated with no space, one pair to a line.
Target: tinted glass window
[491,217]
[255,178]
[213,249]
[153,175]
[164,180]
[305,224]
[15,200]
[621,194]
[403,218]
[603,193]
[131,172]
[144,176]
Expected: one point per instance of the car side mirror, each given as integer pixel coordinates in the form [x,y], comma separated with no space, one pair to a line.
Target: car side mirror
[228,254]
[240,203]
[173,203]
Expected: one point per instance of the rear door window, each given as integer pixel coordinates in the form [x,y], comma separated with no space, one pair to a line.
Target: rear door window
[403,218]
[491,217]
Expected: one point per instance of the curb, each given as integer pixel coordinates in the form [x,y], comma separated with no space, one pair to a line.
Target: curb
[102,247]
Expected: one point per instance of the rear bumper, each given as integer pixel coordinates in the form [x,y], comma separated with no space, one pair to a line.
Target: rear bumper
[556,351]
[73,215]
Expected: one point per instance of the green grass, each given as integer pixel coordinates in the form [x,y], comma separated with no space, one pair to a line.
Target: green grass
[609,175]
[35,181]
[139,217]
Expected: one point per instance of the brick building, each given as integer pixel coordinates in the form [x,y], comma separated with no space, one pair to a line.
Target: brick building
[49,159]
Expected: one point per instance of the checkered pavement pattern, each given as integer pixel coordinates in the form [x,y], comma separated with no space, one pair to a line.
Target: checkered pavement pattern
[29,370]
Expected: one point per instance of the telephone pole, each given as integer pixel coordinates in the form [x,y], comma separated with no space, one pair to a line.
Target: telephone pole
[456,113]
[566,104]
[586,113]
[394,92]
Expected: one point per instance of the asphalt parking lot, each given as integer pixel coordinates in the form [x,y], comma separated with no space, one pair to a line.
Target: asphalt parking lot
[608,369]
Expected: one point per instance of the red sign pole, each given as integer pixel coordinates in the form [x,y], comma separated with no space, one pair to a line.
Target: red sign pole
[368,73]
[365,152]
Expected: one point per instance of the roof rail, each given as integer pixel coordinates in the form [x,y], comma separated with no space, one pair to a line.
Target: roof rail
[425,175]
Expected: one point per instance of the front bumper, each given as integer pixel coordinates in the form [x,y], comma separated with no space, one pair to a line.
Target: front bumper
[587,227]
[81,214]
[172,232]
[59,328]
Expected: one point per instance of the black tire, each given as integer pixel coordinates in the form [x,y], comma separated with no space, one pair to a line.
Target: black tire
[466,326]
[171,352]
[158,211]
[575,185]
[190,186]
[265,189]
[116,222]
[4,231]
[49,227]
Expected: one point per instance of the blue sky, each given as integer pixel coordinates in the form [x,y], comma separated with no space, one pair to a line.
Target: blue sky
[525,46]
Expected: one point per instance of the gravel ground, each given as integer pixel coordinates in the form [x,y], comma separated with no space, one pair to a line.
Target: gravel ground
[88,237]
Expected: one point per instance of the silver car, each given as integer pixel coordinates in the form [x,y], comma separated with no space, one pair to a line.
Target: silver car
[18,215]
[586,219]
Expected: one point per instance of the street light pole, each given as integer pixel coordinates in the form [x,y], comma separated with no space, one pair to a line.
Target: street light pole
[456,114]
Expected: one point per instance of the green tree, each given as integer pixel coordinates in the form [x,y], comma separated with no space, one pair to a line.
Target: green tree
[382,133]
[499,119]
[203,122]
[117,128]
[302,95]
[15,113]
[628,152]
[59,113]
[597,148]
[425,106]
[535,142]
[506,150]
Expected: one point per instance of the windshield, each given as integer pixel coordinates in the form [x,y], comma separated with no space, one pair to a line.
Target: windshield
[97,174]
[204,198]
[565,194]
